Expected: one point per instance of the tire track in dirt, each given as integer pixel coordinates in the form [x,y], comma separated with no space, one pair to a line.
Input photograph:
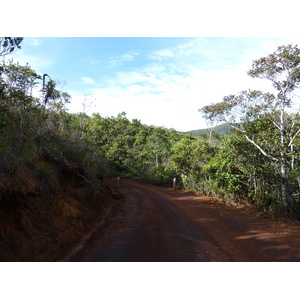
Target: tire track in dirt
[155,224]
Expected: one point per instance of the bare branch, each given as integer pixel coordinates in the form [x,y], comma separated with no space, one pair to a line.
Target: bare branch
[291,141]
[260,149]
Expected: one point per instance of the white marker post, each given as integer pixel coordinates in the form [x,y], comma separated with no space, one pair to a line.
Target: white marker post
[174,185]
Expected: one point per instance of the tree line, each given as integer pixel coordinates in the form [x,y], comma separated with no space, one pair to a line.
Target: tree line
[256,162]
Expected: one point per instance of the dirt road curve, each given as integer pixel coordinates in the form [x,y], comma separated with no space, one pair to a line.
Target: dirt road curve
[157,225]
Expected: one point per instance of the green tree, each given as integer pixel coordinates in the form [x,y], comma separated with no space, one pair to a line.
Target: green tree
[17,83]
[189,155]
[282,68]
[159,144]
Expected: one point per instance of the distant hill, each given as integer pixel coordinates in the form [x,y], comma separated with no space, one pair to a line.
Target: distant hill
[220,129]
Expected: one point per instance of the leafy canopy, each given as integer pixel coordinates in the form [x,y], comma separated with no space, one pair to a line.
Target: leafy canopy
[9,44]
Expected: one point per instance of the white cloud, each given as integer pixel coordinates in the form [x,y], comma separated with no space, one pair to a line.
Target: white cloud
[170,91]
[35,41]
[87,80]
[130,78]
[171,100]
[120,59]
[39,64]
[161,54]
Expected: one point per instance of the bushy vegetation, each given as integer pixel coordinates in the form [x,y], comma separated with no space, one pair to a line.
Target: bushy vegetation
[51,185]
[228,167]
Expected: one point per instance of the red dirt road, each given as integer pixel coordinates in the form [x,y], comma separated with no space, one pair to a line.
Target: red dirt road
[156,225]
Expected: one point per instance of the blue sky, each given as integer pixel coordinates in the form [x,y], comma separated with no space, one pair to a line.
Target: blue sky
[160,81]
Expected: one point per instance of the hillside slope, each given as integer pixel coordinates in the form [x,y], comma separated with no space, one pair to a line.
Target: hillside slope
[220,129]
[42,221]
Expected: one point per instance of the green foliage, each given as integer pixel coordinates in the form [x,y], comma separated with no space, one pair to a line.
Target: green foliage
[9,44]
[38,138]
[264,120]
